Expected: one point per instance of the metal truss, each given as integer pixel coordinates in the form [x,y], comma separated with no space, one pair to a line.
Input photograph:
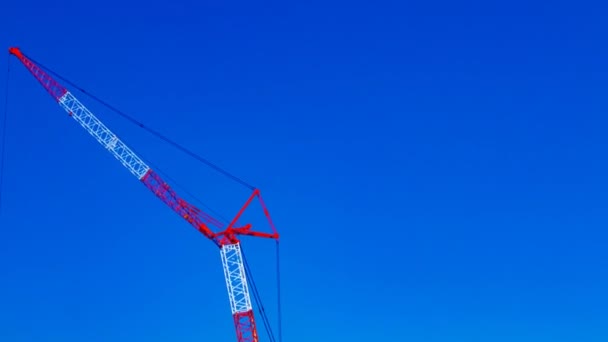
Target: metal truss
[238,292]
[105,137]
[236,282]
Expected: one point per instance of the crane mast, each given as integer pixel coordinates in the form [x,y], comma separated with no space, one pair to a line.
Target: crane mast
[225,237]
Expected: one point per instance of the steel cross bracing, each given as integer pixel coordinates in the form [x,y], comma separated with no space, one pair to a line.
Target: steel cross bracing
[238,292]
[199,219]
[236,282]
[226,238]
[103,135]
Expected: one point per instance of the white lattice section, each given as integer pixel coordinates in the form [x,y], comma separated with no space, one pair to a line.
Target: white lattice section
[234,271]
[105,137]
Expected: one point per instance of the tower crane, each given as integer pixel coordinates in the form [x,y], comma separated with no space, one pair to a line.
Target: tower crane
[225,237]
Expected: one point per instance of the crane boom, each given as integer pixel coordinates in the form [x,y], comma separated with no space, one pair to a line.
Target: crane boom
[118,149]
[103,135]
[226,236]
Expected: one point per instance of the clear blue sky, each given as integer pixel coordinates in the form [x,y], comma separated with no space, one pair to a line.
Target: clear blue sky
[437,169]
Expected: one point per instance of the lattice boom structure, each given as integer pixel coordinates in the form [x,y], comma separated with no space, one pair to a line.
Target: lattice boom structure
[103,135]
[226,237]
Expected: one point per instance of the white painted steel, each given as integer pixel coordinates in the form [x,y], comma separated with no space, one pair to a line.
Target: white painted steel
[236,282]
[105,137]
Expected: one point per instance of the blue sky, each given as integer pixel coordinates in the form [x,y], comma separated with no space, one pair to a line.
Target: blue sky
[436,169]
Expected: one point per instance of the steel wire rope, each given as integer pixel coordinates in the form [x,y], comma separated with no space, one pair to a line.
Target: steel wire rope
[149,130]
[257,298]
[279,309]
[3,134]
[249,274]
[182,188]
[158,135]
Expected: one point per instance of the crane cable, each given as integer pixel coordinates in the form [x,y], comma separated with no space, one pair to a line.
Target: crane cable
[213,166]
[3,134]
[177,185]
[149,130]
[158,135]
[257,298]
[279,309]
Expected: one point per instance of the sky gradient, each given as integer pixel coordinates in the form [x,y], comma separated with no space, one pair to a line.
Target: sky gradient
[436,169]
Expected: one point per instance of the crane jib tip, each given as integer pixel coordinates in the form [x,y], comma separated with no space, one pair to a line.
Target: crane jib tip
[15,51]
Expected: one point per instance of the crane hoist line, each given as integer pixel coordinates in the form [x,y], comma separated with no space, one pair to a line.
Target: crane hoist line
[224,236]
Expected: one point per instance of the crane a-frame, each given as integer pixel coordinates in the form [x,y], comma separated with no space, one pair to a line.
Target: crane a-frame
[223,236]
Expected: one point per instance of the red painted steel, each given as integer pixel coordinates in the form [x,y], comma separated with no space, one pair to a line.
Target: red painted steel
[199,219]
[245,327]
[229,236]
[53,87]
[244,322]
